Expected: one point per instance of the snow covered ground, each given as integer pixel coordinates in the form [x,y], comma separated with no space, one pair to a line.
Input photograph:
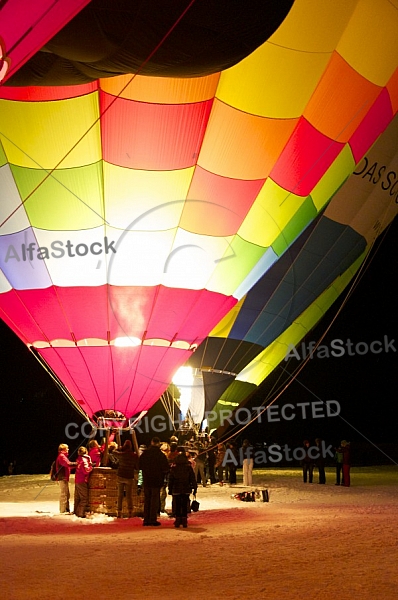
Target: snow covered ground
[310,541]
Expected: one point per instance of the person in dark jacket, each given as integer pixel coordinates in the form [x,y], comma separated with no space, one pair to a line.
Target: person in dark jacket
[346,450]
[233,455]
[182,482]
[128,464]
[154,466]
[320,461]
[113,461]
[338,457]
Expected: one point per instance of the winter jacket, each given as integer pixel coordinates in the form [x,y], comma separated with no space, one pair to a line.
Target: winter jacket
[64,466]
[83,468]
[128,463]
[113,461]
[154,466]
[339,455]
[182,479]
[95,455]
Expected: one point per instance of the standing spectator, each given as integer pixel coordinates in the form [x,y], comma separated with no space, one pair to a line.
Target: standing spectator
[173,452]
[346,448]
[84,467]
[233,461]
[221,450]
[248,463]
[128,464]
[191,458]
[113,461]
[339,465]
[154,466]
[63,468]
[320,461]
[171,458]
[182,482]
[200,460]
[307,463]
[95,453]
[165,448]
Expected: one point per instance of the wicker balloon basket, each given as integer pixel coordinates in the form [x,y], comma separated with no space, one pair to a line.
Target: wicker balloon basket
[102,495]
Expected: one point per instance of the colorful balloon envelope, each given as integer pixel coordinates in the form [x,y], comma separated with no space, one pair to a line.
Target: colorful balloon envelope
[137,211]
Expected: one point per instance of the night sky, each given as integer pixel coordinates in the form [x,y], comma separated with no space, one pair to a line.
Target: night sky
[34,413]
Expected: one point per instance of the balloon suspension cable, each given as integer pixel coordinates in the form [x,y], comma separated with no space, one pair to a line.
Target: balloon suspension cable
[63,389]
[169,402]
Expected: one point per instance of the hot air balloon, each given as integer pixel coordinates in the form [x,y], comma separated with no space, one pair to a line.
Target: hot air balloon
[138,211]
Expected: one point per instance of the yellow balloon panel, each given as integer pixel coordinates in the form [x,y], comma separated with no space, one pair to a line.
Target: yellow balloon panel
[145,200]
[370,41]
[313,26]
[272,82]
[29,143]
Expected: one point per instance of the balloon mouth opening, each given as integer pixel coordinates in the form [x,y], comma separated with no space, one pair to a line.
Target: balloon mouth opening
[110,419]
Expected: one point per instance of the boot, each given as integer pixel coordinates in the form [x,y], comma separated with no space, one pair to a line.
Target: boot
[184,521]
[177,522]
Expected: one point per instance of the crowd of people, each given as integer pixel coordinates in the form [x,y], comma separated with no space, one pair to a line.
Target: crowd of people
[315,461]
[161,469]
[169,468]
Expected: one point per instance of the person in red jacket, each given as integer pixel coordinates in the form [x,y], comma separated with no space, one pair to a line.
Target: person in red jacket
[63,468]
[94,451]
[84,467]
